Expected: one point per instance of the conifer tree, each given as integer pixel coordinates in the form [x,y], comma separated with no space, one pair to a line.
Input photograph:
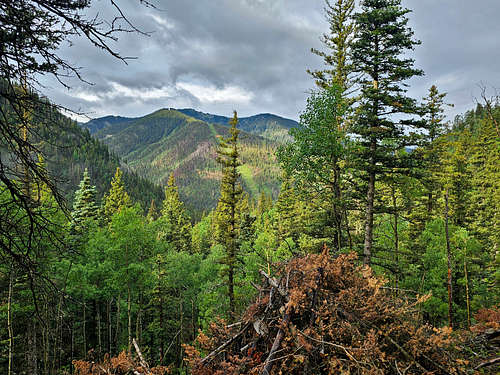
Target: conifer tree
[85,207]
[245,220]
[384,124]
[286,215]
[117,197]
[226,213]
[177,228]
[425,201]
[152,212]
[337,41]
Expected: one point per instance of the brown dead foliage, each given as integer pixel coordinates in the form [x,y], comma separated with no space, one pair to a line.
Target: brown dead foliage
[123,364]
[324,315]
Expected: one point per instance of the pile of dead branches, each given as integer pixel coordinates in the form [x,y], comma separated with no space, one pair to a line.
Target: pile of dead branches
[123,364]
[485,342]
[324,315]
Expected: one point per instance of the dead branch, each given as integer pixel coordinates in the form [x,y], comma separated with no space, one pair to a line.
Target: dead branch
[487,363]
[268,364]
[225,345]
[144,364]
[274,284]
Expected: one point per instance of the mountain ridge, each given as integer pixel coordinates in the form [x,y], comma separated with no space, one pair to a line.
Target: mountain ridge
[184,142]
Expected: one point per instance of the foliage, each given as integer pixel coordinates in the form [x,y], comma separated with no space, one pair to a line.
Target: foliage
[174,219]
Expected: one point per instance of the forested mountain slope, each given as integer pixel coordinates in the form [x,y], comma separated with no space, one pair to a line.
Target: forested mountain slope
[73,149]
[184,142]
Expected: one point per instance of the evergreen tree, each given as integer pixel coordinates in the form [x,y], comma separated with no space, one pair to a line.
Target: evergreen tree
[337,41]
[226,214]
[434,113]
[176,225]
[117,198]
[425,202]
[384,125]
[152,212]
[85,207]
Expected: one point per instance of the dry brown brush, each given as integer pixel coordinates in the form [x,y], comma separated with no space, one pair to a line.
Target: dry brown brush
[324,315]
[123,364]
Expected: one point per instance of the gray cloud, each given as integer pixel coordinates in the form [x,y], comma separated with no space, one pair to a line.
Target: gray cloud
[252,55]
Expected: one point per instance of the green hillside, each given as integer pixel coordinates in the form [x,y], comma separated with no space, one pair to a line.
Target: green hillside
[169,141]
[73,149]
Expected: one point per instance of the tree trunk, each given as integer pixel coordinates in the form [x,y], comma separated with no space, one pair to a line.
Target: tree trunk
[396,237]
[232,258]
[181,336]
[9,319]
[84,330]
[138,322]
[129,315]
[34,352]
[448,252]
[337,211]
[162,332]
[72,340]
[117,333]
[99,340]
[467,297]
[348,230]
[46,340]
[110,333]
[370,196]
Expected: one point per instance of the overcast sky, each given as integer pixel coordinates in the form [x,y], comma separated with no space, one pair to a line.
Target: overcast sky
[252,55]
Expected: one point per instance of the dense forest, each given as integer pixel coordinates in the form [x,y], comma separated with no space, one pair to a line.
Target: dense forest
[379,255]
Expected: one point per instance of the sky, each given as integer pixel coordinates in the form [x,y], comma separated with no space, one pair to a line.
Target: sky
[217,56]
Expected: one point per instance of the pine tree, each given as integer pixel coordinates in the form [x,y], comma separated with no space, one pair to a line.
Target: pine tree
[384,125]
[177,225]
[117,197]
[226,223]
[85,207]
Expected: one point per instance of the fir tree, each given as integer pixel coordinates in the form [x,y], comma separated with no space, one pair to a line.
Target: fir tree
[117,197]
[177,225]
[337,41]
[85,207]
[226,214]
[152,212]
[384,125]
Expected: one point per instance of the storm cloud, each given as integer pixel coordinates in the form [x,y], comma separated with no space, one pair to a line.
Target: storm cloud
[252,55]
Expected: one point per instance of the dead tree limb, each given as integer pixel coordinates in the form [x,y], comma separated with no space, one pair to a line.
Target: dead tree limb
[268,364]
[225,345]
[274,284]
[487,363]
[144,364]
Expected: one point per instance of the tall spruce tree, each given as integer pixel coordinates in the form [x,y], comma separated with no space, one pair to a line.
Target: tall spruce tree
[177,225]
[117,197]
[384,124]
[85,207]
[226,215]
